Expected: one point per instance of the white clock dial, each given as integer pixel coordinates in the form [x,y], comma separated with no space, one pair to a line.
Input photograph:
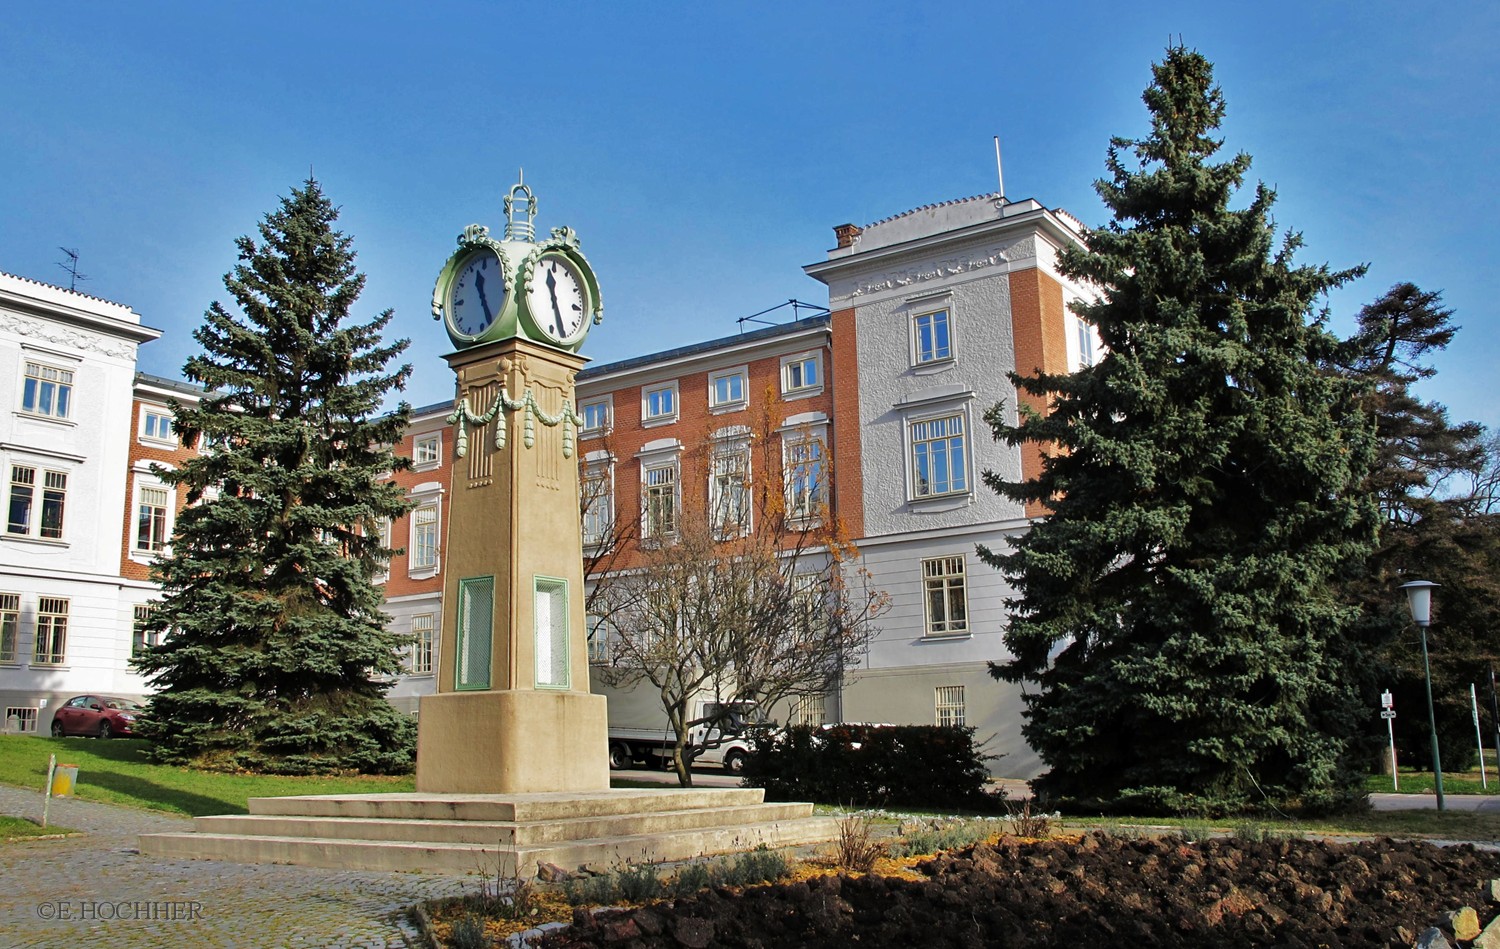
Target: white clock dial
[556,298]
[477,294]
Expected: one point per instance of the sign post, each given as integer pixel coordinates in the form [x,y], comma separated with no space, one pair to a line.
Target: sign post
[1484,780]
[1388,712]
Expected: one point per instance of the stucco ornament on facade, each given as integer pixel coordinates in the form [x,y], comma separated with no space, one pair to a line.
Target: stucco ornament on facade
[64,336]
[463,416]
[947,267]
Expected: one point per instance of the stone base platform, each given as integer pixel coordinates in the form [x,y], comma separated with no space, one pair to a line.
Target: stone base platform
[495,833]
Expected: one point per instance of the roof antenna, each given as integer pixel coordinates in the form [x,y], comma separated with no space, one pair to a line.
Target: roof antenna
[72,267]
[999,172]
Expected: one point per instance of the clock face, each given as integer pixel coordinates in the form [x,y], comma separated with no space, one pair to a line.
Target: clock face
[556,298]
[477,294]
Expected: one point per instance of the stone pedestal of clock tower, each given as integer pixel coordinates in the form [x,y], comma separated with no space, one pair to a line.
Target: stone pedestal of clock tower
[513,712]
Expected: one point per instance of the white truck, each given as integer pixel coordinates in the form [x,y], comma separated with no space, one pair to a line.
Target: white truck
[648,738]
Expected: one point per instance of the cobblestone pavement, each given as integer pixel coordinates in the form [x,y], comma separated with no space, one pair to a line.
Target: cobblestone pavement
[98,890]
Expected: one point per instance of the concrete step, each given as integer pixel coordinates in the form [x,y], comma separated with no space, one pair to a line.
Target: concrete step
[430,856]
[497,833]
[547,806]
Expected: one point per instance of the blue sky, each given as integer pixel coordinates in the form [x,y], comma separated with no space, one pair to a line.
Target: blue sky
[703,152]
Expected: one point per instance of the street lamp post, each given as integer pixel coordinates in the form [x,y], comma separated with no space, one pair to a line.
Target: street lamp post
[1419,599]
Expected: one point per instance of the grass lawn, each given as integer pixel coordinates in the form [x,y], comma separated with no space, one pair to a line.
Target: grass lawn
[18,828]
[1422,782]
[117,772]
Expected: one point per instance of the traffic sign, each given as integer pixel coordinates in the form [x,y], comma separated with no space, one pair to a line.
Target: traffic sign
[1388,713]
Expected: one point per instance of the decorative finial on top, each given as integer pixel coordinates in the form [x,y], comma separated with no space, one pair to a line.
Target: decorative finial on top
[516,229]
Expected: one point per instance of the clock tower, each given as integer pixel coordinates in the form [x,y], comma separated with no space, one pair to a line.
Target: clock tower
[513,711]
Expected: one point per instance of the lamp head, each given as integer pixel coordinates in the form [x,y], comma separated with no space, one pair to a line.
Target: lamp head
[1419,599]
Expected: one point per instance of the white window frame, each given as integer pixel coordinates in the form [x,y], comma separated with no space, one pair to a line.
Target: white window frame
[149,412]
[426,451]
[798,432]
[729,403]
[140,614]
[949,706]
[427,497]
[33,384]
[606,414]
[10,628]
[671,485]
[913,428]
[945,576]
[925,310]
[598,515]
[794,383]
[600,638]
[43,489]
[51,630]
[139,551]
[423,652]
[383,528]
[729,470]
[648,419]
[663,453]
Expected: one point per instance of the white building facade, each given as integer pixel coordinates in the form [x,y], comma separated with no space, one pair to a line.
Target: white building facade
[67,371]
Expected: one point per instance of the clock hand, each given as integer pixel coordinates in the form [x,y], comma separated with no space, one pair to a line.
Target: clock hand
[556,310]
[483,300]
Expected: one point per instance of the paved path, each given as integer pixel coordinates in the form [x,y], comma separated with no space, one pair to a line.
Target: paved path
[98,890]
[1386,801]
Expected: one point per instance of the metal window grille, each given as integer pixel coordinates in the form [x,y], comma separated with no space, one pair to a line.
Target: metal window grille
[51,630]
[20,718]
[810,710]
[949,701]
[10,625]
[476,613]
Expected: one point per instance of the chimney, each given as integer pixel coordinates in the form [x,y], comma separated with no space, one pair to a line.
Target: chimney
[847,234]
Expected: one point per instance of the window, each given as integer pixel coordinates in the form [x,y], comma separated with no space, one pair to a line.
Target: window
[152,510]
[931,338]
[804,477]
[20,718]
[809,710]
[659,500]
[427,449]
[10,625]
[729,489]
[946,594]
[157,426]
[422,627]
[424,538]
[140,636]
[801,374]
[1086,354]
[51,630]
[383,538]
[23,502]
[598,504]
[659,404]
[47,390]
[595,418]
[937,457]
[599,638]
[949,702]
[727,390]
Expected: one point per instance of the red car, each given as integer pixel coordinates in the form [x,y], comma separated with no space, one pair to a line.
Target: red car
[95,715]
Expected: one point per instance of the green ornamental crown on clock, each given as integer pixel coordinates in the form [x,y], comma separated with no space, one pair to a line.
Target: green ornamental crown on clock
[542,290]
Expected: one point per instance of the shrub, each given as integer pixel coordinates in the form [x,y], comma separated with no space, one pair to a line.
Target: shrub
[871,766]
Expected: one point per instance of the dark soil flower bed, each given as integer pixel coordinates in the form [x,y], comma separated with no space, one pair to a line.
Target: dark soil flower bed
[1097,891]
